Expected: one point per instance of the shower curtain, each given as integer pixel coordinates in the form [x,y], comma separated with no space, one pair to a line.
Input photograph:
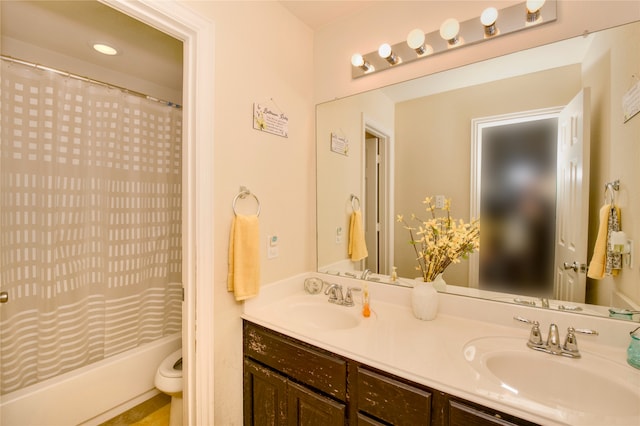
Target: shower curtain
[90,223]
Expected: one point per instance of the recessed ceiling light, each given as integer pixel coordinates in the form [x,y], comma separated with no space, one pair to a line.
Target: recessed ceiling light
[105,49]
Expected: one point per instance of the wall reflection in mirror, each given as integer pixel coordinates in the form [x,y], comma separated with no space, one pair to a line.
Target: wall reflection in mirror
[430,143]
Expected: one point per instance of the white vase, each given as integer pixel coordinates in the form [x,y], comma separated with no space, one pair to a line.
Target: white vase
[439,283]
[424,300]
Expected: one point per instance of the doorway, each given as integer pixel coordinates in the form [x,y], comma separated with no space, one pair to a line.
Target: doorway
[378,211]
[518,204]
[196,33]
[551,167]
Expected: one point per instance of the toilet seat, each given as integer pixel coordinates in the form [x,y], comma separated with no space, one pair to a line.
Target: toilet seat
[168,379]
[166,367]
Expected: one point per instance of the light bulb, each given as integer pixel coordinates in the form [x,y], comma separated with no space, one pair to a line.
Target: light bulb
[357,60]
[533,10]
[386,53]
[449,30]
[489,16]
[534,5]
[415,39]
[384,50]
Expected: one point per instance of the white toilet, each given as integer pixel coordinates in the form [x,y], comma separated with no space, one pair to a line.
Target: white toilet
[169,380]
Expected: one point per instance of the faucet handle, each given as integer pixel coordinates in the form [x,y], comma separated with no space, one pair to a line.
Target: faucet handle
[535,336]
[571,342]
[348,299]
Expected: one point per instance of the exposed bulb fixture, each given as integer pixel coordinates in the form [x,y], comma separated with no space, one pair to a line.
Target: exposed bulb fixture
[488,18]
[415,40]
[358,61]
[533,10]
[387,54]
[449,31]
[105,49]
[455,34]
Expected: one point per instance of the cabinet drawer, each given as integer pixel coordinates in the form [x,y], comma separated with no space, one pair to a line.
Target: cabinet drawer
[309,366]
[461,414]
[392,401]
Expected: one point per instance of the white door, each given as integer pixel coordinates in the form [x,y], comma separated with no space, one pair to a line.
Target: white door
[572,199]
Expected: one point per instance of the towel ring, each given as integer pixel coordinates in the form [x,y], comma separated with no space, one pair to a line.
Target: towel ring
[610,189]
[355,199]
[242,195]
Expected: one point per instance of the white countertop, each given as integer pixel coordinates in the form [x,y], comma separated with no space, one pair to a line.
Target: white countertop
[432,352]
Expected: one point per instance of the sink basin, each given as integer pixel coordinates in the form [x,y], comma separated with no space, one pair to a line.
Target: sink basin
[314,312]
[317,313]
[591,385]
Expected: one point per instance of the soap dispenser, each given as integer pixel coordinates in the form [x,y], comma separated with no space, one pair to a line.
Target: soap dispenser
[366,309]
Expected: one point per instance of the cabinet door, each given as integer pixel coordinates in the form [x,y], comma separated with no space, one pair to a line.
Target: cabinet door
[306,408]
[265,396]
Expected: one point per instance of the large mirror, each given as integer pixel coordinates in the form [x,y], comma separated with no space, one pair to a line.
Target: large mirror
[380,153]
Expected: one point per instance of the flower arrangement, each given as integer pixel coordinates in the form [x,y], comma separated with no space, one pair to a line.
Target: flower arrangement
[440,240]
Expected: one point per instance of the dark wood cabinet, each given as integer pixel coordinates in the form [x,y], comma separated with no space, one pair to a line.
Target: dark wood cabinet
[392,401]
[289,382]
[307,408]
[267,404]
[464,415]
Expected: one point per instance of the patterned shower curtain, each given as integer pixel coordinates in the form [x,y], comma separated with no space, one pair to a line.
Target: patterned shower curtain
[90,223]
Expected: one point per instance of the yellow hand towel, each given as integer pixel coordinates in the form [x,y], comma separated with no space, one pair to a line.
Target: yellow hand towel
[244,257]
[357,244]
[598,260]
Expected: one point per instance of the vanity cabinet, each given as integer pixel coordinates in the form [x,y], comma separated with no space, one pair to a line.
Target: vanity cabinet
[288,382]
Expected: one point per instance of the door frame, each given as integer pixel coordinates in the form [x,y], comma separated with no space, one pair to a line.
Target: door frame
[369,125]
[477,126]
[197,35]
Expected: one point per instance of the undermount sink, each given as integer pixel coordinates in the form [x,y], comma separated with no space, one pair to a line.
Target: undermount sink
[317,313]
[591,385]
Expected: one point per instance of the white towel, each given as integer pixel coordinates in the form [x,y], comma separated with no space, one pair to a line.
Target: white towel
[244,257]
[357,244]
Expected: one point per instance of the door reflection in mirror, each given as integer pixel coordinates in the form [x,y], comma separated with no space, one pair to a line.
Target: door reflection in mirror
[517,207]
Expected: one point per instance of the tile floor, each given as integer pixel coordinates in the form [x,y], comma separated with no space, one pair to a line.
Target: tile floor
[153,412]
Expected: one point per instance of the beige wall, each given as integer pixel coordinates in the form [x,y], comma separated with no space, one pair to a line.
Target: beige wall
[389,21]
[615,149]
[433,145]
[341,175]
[262,52]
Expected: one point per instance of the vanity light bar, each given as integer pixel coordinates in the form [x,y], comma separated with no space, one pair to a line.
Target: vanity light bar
[509,20]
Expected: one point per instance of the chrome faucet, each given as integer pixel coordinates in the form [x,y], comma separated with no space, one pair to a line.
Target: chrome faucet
[552,346]
[335,294]
[544,302]
[365,274]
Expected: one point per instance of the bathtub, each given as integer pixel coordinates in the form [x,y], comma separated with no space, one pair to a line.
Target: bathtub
[92,394]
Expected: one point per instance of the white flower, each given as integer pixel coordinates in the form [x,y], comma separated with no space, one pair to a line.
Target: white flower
[441,240]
